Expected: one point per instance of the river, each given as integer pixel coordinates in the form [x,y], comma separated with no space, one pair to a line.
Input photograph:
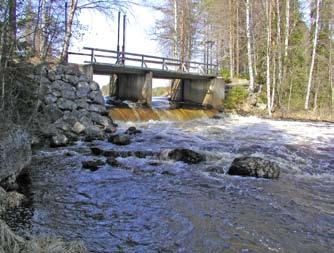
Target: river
[157,205]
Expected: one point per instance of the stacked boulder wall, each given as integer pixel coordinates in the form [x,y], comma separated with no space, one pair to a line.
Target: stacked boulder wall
[71,106]
[15,154]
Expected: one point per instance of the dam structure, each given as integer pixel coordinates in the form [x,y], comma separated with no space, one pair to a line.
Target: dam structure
[131,76]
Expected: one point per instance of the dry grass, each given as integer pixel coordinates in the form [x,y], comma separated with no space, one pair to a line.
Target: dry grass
[11,243]
[305,115]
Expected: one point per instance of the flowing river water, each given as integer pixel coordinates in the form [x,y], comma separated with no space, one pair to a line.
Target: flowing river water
[158,205]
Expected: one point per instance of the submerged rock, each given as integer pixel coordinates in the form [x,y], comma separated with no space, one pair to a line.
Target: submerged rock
[254,167]
[216,169]
[186,155]
[112,161]
[115,153]
[132,131]
[93,165]
[119,140]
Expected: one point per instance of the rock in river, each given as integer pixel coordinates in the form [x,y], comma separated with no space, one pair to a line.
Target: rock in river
[93,164]
[132,131]
[186,155]
[120,139]
[254,167]
[59,140]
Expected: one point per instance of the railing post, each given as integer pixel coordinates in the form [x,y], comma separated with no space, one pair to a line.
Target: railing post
[92,56]
[163,63]
[142,61]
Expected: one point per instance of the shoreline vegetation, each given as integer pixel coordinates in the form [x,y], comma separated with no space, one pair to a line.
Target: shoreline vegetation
[239,101]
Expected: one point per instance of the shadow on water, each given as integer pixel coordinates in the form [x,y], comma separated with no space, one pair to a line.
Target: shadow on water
[165,206]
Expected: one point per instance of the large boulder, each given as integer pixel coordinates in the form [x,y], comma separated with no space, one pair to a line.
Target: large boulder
[185,155]
[254,167]
[15,152]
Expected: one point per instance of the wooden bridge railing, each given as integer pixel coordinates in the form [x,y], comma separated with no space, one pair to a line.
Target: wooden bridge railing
[97,55]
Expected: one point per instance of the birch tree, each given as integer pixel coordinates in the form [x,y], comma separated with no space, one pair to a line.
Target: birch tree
[268,80]
[314,50]
[68,34]
[249,47]
[278,52]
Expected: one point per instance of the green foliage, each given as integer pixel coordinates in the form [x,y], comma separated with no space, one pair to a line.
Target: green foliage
[160,91]
[235,96]
[105,90]
[225,74]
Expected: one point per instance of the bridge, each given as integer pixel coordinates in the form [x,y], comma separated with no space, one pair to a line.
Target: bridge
[131,76]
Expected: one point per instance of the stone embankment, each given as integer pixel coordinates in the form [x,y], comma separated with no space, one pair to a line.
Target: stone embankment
[71,107]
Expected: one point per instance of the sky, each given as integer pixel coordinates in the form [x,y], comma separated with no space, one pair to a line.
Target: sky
[102,33]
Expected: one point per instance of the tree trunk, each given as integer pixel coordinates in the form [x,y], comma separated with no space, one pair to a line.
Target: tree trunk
[43,30]
[315,102]
[315,43]
[249,47]
[12,22]
[287,29]
[290,92]
[35,35]
[237,40]
[286,46]
[331,72]
[273,89]
[279,52]
[268,10]
[68,35]
[175,29]
[231,47]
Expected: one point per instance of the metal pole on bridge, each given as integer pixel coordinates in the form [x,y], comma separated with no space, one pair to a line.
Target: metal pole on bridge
[124,35]
[118,36]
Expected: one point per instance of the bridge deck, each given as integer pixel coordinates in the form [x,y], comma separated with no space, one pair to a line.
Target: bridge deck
[108,69]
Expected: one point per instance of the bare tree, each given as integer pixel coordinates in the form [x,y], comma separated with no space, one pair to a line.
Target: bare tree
[315,43]
[231,34]
[249,47]
[268,80]
[278,52]
[287,28]
[68,34]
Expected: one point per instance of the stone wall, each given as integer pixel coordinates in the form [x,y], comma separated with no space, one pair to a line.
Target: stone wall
[72,106]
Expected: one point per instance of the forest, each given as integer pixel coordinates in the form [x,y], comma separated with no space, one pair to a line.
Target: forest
[284,48]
